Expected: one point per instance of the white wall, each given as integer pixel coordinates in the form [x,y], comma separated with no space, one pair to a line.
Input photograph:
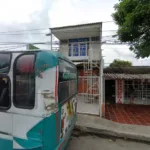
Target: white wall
[94,52]
[64,49]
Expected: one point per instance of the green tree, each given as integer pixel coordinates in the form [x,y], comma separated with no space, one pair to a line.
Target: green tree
[120,63]
[133,19]
[32,47]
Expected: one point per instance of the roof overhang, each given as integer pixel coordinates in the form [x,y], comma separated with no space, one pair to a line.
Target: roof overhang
[77,31]
[116,76]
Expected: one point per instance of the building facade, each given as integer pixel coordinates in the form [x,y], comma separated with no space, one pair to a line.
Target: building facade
[122,85]
[82,44]
[127,85]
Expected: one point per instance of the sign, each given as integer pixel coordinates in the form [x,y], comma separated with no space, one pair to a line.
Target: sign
[119,91]
[69,76]
[68,111]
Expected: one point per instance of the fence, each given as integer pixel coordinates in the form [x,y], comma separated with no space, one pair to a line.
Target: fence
[89,88]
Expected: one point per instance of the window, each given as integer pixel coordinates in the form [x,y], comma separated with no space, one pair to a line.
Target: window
[24,81]
[5,101]
[5,62]
[70,50]
[139,89]
[78,47]
[75,50]
[82,49]
[67,80]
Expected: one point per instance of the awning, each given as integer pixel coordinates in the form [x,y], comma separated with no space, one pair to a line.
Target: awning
[126,76]
[77,31]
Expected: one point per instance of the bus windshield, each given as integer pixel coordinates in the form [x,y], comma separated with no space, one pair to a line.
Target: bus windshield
[67,80]
[4,63]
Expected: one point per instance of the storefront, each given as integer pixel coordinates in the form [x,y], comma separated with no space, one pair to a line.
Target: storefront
[132,86]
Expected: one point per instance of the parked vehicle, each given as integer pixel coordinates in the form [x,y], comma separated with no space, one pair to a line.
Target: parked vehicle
[37,100]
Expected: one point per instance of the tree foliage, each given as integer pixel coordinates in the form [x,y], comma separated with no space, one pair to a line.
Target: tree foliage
[120,63]
[32,47]
[133,19]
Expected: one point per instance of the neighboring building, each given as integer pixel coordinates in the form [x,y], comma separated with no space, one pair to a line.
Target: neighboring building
[127,85]
[124,85]
[82,44]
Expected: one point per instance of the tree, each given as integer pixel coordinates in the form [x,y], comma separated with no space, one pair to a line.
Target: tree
[133,19]
[120,63]
[32,47]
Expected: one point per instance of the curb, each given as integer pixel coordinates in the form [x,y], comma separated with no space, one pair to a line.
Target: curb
[112,134]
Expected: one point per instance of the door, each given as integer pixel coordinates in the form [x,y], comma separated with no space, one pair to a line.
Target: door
[110,91]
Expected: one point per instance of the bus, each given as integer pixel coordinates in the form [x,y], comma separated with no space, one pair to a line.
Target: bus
[38,100]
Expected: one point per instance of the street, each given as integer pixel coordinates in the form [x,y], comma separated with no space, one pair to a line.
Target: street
[96,143]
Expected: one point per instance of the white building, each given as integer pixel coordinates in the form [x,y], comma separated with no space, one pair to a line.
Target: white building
[82,43]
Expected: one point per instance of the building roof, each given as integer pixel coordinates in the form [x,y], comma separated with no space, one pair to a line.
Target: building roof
[134,72]
[77,31]
[126,76]
[128,70]
[77,25]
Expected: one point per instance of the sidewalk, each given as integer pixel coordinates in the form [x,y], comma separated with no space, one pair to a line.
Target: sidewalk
[97,125]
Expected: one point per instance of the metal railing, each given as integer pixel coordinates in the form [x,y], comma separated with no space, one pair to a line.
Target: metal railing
[89,88]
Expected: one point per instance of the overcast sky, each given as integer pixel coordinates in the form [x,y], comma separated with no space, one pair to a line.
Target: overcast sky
[34,14]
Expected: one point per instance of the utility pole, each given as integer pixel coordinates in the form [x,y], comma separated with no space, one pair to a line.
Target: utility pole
[27,46]
[100,75]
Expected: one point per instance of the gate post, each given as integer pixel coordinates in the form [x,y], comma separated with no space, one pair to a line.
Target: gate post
[101,87]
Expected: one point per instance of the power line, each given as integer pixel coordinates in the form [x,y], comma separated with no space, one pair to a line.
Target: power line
[9,33]
[89,31]
[37,29]
[15,47]
[13,32]
[22,43]
[25,30]
[22,34]
[62,32]
[110,42]
[107,21]
[44,34]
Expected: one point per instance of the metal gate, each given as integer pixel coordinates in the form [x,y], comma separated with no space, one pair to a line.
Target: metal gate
[88,95]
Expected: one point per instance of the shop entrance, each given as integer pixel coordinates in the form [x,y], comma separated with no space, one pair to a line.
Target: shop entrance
[110,92]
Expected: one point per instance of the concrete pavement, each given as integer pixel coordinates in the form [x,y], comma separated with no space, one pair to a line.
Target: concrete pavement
[97,125]
[96,143]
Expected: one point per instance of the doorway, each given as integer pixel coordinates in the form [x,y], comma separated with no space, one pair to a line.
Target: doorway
[110,92]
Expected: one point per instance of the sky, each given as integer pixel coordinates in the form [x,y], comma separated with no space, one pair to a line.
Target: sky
[41,14]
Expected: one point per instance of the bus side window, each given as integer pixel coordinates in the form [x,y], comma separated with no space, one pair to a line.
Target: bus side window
[67,80]
[24,82]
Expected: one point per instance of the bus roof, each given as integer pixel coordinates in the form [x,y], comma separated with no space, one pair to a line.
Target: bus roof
[53,53]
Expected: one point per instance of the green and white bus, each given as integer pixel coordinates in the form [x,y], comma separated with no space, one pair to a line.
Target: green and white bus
[37,100]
